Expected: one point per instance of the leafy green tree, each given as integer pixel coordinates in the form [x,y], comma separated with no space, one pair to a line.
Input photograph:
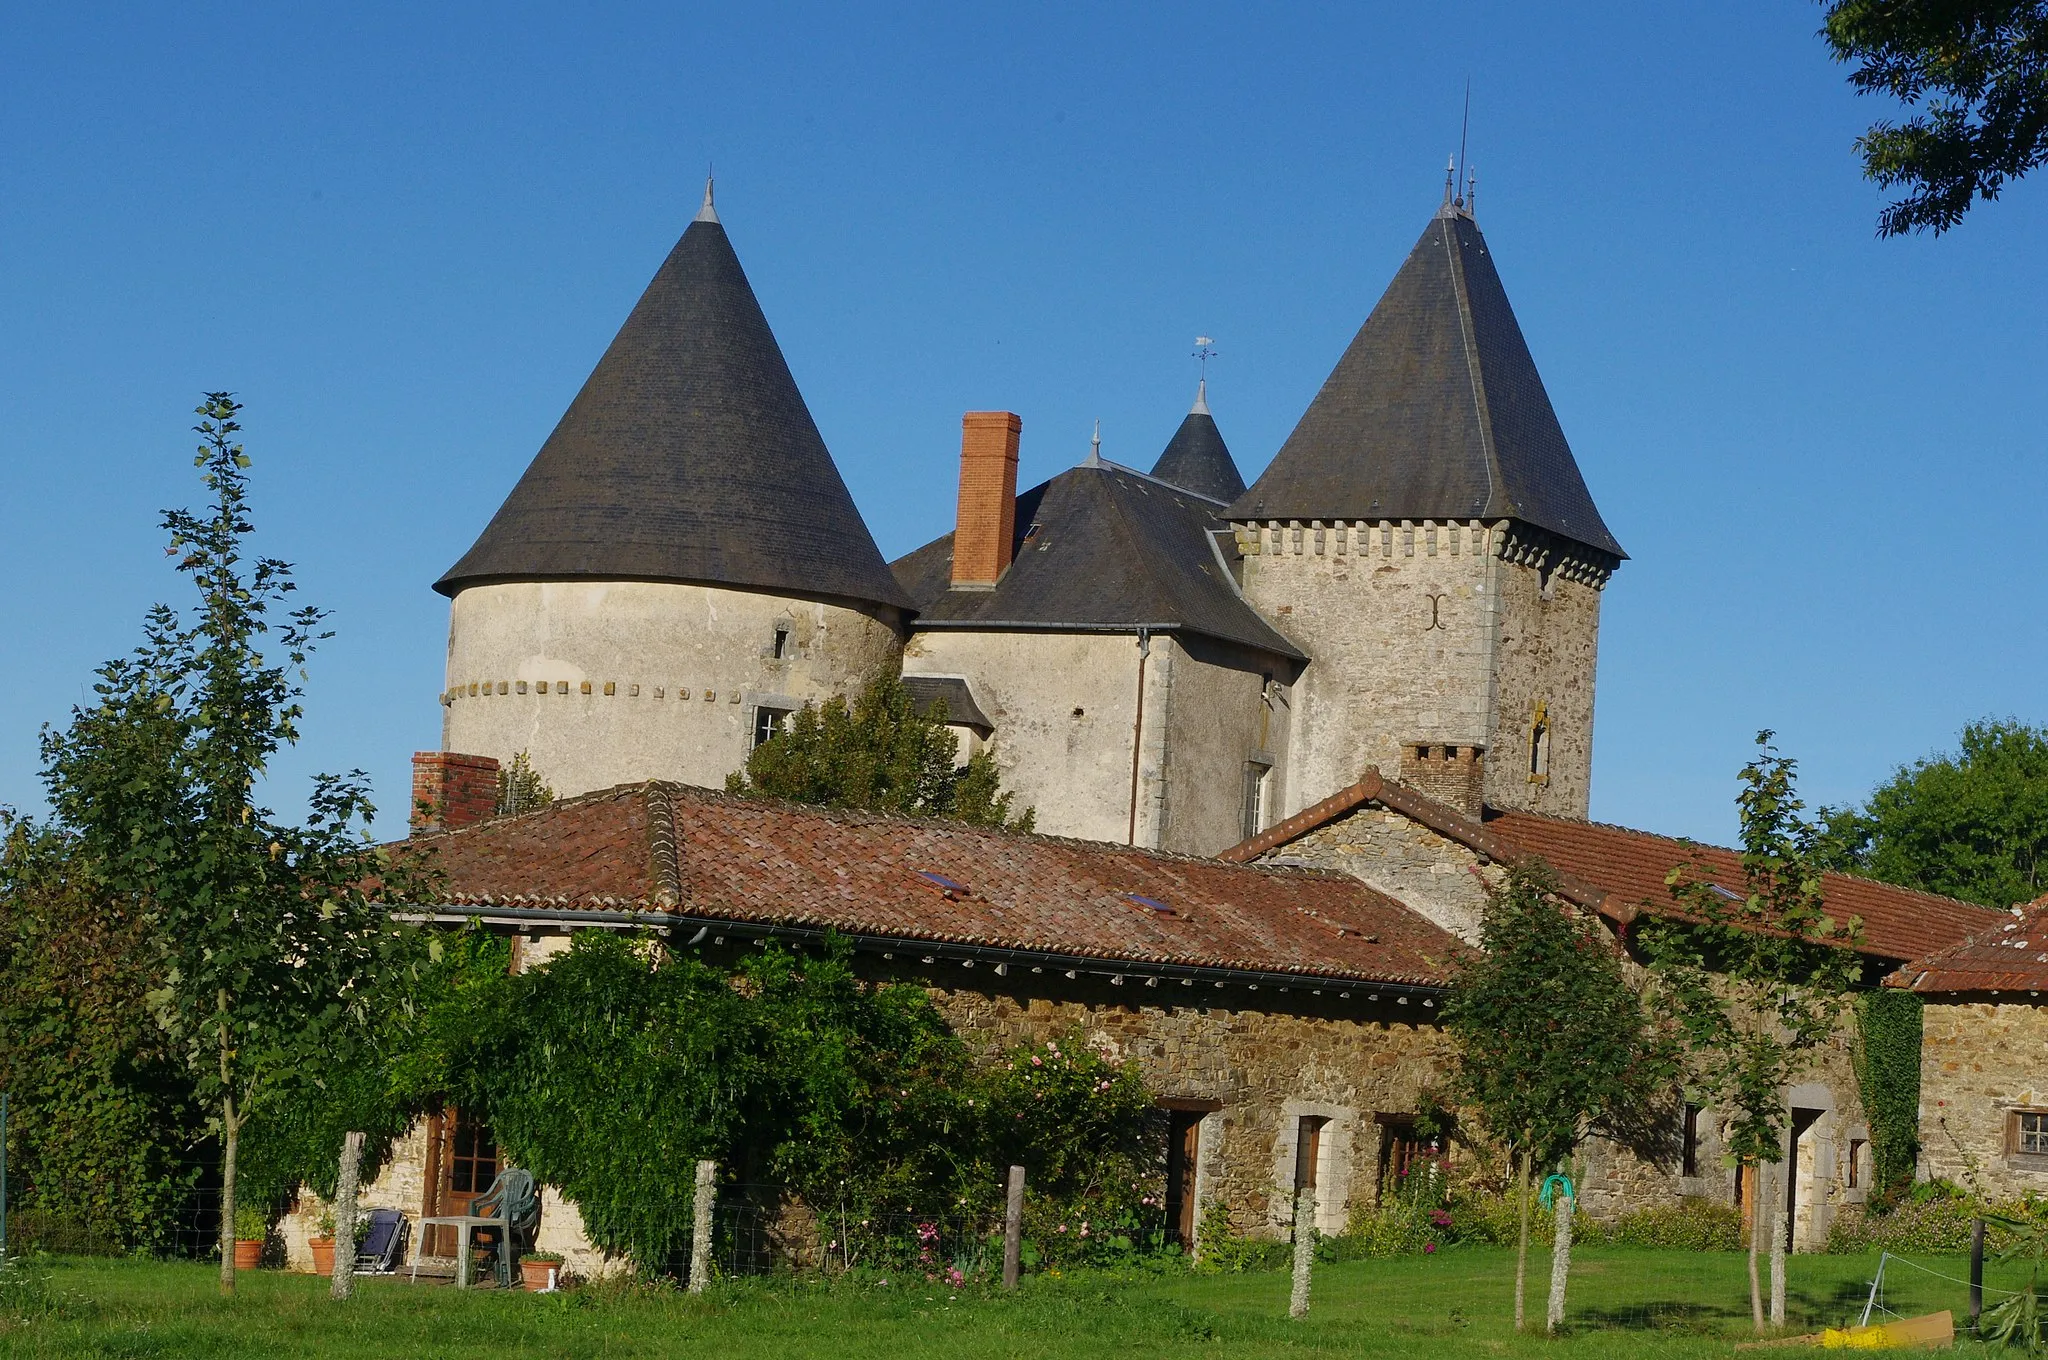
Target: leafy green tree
[270,936]
[1758,980]
[1552,1040]
[1976,74]
[878,754]
[1971,824]
[99,1110]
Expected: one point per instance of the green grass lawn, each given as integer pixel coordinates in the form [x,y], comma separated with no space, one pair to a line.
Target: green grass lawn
[1624,1302]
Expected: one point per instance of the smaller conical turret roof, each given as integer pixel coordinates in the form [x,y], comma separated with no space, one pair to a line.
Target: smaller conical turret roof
[1196,458]
[688,456]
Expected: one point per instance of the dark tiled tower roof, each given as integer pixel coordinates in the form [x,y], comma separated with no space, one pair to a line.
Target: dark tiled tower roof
[1196,458]
[1434,412]
[689,455]
[1100,547]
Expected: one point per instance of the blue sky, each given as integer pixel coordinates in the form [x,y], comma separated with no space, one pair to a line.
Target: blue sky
[403,234]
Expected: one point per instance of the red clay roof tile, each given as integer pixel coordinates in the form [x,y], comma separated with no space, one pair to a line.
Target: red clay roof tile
[777,864]
[2009,957]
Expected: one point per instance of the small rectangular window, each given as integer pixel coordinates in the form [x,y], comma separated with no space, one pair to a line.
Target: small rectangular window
[2030,1132]
[1858,1151]
[779,649]
[1689,1151]
[1253,806]
[767,722]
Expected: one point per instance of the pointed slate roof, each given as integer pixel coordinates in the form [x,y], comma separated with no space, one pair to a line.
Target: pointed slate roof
[1100,547]
[1435,411]
[689,455]
[1197,459]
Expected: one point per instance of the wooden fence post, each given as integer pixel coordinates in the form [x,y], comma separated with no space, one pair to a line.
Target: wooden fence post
[1976,1270]
[347,1187]
[1013,1228]
[700,1226]
[1304,1250]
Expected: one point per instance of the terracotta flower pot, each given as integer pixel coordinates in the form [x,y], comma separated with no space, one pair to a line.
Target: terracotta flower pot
[323,1255]
[248,1253]
[534,1274]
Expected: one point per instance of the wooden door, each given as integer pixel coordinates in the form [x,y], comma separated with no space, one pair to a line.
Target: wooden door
[1183,1148]
[462,1161]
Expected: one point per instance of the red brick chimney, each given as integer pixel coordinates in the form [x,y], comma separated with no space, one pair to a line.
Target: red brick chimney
[1455,775]
[987,524]
[451,790]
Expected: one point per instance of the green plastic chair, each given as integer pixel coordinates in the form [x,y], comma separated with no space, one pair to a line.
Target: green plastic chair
[512,1199]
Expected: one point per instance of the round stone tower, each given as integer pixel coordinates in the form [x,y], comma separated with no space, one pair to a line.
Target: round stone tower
[681,564]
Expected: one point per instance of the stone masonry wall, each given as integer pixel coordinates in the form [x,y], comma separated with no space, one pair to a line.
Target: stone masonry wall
[1429,873]
[1447,882]
[1265,1069]
[1549,650]
[1980,1061]
[1398,620]
[1063,706]
[1421,634]
[606,683]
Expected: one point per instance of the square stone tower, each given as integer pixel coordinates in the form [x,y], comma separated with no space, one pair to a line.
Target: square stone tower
[1426,538]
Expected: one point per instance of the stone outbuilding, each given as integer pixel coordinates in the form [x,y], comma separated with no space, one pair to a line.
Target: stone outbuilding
[1285,1017]
[1440,861]
[1984,1057]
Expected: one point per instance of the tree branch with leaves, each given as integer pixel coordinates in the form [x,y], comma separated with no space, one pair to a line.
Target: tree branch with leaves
[271,934]
[1758,979]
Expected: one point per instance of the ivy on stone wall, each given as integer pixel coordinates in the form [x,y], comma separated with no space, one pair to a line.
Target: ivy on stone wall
[1888,1075]
[611,1070]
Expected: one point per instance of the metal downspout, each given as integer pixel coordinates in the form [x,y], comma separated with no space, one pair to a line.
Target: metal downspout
[1138,731]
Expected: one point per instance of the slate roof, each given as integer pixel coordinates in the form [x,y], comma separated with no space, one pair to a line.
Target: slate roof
[708,856]
[1435,411]
[689,455]
[1196,458]
[2009,957]
[1100,547]
[1620,872]
[961,710]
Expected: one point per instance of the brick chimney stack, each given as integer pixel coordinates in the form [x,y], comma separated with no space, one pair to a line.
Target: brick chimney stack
[450,791]
[987,524]
[1454,775]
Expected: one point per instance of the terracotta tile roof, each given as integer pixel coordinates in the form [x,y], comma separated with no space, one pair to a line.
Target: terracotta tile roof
[1620,873]
[2009,957]
[707,856]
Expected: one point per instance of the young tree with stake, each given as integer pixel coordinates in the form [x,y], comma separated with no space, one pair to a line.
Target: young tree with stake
[1552,1041]
[1758,981]
[271,934]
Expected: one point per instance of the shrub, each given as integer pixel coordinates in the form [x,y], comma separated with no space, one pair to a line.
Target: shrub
[1225,1251]
[1934,1218]
[1692,1224]
[1414,1215]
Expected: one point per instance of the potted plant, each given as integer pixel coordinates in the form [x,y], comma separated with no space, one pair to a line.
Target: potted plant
[252,1229]
[540,1270]
[322,1243]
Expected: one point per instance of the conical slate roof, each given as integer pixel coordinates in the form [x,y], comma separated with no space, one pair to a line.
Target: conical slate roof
[1196,458]
[689,455]
[1434,412]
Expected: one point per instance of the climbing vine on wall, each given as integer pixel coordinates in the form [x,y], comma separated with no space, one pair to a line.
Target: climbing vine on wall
[1888,1074]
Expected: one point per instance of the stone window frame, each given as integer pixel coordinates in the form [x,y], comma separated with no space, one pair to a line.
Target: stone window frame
[1336,1162]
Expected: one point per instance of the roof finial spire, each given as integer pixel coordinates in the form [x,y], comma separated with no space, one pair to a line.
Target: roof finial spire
[1450,182]
[1471,193]
[707,213]
[1095,446]
[1205,350]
